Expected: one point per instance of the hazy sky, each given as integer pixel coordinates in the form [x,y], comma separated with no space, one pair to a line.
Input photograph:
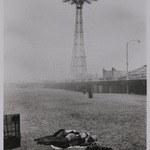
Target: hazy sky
[38,37]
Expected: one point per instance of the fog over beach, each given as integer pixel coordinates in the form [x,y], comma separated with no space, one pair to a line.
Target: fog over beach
[38,37]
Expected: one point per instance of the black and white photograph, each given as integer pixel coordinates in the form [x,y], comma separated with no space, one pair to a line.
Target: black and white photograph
[75,75]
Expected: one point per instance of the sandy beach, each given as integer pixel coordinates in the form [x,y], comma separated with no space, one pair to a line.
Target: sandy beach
[118,119]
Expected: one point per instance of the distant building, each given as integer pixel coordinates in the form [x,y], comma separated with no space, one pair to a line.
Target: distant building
[140,73]
[107,75]
[92,77]
[113,74]
[136,74]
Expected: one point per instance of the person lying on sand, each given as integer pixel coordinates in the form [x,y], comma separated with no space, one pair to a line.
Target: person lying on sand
[66,138]
[87,139]
[59,133]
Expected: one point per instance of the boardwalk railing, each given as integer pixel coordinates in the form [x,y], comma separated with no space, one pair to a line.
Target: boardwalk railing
[108,86]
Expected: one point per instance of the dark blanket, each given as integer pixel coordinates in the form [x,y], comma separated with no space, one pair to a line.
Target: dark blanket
[52,140]
[45,138]
[58,141]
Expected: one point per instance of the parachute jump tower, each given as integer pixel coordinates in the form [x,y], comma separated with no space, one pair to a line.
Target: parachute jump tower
[78,63]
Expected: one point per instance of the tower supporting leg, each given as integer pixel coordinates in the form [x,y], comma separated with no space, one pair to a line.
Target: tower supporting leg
[78,64]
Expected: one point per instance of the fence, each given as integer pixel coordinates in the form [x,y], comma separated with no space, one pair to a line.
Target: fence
[116,86]
[12,136]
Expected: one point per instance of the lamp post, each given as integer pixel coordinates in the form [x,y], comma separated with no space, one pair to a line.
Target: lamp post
[127,62]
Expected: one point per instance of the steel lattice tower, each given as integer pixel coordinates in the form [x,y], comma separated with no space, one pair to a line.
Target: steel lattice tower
[78,63]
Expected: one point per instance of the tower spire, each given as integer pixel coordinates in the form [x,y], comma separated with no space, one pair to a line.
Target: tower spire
[78,63]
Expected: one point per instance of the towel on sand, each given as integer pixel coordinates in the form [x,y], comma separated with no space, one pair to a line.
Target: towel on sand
[55,147]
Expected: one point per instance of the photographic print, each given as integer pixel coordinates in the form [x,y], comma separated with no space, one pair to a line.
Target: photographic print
[75,75]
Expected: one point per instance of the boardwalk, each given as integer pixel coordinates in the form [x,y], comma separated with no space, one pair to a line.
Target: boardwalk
[118,119]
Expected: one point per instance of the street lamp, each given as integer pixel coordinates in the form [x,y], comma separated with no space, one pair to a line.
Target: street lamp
[127,63]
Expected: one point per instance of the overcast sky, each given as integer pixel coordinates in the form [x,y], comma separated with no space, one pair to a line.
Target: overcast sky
[38,37]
